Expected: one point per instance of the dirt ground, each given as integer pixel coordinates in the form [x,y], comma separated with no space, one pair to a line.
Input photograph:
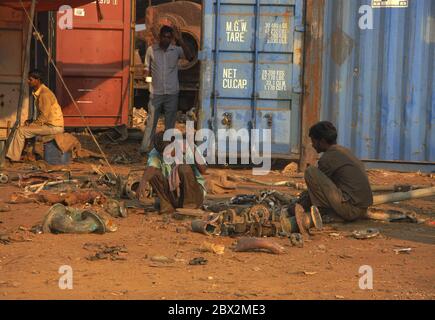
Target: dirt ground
[327,267]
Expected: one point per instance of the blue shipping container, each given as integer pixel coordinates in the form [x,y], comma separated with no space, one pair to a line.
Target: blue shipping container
[252,68]
[379,84]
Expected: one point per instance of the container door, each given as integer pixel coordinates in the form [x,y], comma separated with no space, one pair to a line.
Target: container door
[251,69]
[13,36]
[94,59]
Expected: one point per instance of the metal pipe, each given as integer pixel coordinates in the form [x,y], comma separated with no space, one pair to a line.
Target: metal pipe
[402,196]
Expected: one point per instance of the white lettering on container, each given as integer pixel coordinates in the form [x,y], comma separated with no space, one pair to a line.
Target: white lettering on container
[276,33]
[274,80]
[236,30]
[230,80]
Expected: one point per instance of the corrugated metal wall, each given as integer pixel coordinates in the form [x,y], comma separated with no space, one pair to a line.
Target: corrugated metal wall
[379,84]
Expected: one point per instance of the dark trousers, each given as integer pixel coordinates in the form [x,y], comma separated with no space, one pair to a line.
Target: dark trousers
[324,194]
[191,193]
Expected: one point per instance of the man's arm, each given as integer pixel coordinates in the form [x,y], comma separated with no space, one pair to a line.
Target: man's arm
[44,106]
[147,62]
[189,56]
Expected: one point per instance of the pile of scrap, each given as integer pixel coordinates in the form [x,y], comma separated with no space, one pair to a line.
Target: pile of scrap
[269,214]
[80,204]
[255,217]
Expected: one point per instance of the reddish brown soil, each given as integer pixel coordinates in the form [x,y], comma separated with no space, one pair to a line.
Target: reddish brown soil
[29,269]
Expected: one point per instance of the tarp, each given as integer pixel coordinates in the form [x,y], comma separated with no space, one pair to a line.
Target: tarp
[44,5]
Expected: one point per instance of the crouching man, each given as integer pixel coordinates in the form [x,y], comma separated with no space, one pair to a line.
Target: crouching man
[48,122]
[339,186]
[176,186]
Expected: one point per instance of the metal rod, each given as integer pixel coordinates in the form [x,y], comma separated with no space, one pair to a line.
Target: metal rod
[402,196]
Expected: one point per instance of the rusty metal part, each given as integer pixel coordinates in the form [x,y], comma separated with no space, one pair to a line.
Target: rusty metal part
[4,178]
[305,220]
[316,218]
[115,208]
[269,230]
[365,234]
[297,240]
[131,186]
[229,216]
[286,224]
[278,228]
[61,219]
[205,227]
[40,186]
[256,230]
[182,15]
[301,222]
[264,230]
[211,226]
[240,227]
[259,213]
[248,244]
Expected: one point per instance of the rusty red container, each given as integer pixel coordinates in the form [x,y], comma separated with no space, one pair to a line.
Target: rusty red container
[94,59]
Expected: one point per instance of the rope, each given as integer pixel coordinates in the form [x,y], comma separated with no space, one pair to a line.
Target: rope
[67,89]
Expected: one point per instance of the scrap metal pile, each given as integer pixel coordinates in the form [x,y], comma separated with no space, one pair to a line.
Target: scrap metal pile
[80,204]
[268,214]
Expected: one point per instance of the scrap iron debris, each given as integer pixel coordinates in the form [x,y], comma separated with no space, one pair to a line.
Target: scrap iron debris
[268,214]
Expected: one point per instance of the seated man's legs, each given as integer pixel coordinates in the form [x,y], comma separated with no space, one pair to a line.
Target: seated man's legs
[160,186]
[325,194]
[192,195]
[23,133]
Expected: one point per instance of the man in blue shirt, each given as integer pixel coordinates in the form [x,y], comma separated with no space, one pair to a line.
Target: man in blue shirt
[177,186]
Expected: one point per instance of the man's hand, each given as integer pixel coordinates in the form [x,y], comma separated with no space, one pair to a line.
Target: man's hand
[179,38]
[177,34]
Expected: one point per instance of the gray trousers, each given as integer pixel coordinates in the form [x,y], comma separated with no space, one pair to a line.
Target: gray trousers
[325,195]
[168,104]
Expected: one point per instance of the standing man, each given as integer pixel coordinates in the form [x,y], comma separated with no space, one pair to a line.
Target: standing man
[48,122]
[339,185]
[161,63]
